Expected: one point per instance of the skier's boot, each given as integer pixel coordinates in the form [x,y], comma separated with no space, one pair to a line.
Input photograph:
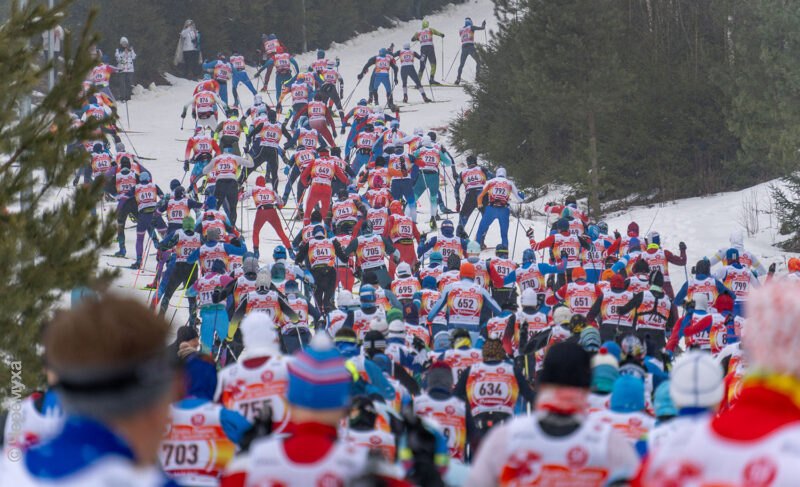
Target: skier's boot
[405,97]
[120,252]
[136,265]
[433,82]
[458,80]
[425,98]
[433,224]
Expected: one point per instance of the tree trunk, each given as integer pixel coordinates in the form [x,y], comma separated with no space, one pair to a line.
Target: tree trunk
[594,202]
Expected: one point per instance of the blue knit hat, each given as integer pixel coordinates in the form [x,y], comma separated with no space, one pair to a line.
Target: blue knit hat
[318,378]
[605,371]
[662,401]
[628,394]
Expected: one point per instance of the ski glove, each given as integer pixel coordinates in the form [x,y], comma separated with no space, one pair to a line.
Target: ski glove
[682,246]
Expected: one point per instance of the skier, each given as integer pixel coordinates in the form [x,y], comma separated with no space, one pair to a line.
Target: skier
[310,453]
[146,195]
[737,278]
[405,285]
[655,312]
[348,213]
[439,404]
[226,190]
[204,109]
[746,258]
[382,63]
[371,251]
[465,301]
[467,34]
[179,271]
[269,47]
[211,301]
[401,173]
[332,86]
[718,451]
[283,62]
[498,192]
[607,308]
[213,249]
[267,147]
[429,158]
[318,176]
[425,38]
[268,204]
[222,71]
[318,255]
[473,178]
[239,76]
[118,392]
[229,131]
[696,389]
[364,141]
[490,390]
[124,181]
[406,57]
[222,428]
[295,333]
[557,433]
[320,119]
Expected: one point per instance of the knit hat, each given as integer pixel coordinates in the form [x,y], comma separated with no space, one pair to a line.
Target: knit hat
[428,282]
[662,401]
[493,350]
[696,381]
[379,324]
[724,302]
[612,348]
[397,329]
[605,370]
[258,335]
[590,339]
[467,270]
[607,275]
[374,340]
[617,282]
[562,315]
[578,273]
[628,394]
[442,341]
[318,378]
[393,315]
[566,364]
[634,245]
[440,376]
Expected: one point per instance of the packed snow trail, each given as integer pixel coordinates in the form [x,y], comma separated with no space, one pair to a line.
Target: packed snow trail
[155,132]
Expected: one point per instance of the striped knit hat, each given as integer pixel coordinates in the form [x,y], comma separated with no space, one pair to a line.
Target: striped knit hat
[318,378]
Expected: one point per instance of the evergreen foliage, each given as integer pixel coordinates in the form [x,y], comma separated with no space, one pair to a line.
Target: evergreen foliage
[51,244]
[688,97]
[152,26]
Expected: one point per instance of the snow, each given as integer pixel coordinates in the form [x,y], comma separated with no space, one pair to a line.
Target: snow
[703,223]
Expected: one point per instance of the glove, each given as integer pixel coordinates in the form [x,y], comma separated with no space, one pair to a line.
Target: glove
[458,206]
[287,145]
[285,170]
[564,254]
[617,235]
[521,195]
[418,344]
[236,242]
[442,36]
[360,76]
[682,246]
[183,113]
[185,166]
[342,130]
[483,24]
[529,232]
[772,268]
[279,108]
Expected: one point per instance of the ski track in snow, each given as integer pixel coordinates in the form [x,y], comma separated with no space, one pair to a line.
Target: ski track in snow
[703,223]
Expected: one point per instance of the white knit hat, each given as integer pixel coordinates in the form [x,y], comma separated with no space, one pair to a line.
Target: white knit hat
[772,336]
[562,315]
[259,335]
[696,381]
[397,329]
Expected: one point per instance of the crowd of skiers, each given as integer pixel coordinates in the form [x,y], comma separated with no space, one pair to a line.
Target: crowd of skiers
[364,351]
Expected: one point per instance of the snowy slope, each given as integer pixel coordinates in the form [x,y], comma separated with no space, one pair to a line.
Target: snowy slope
[703,223]
[155,122]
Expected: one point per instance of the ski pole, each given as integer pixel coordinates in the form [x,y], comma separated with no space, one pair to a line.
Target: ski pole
[516,232]
[451,66]
[347,100]
[185,287]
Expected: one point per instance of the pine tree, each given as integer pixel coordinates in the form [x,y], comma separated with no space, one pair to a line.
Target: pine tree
[51,243]
[787,205]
